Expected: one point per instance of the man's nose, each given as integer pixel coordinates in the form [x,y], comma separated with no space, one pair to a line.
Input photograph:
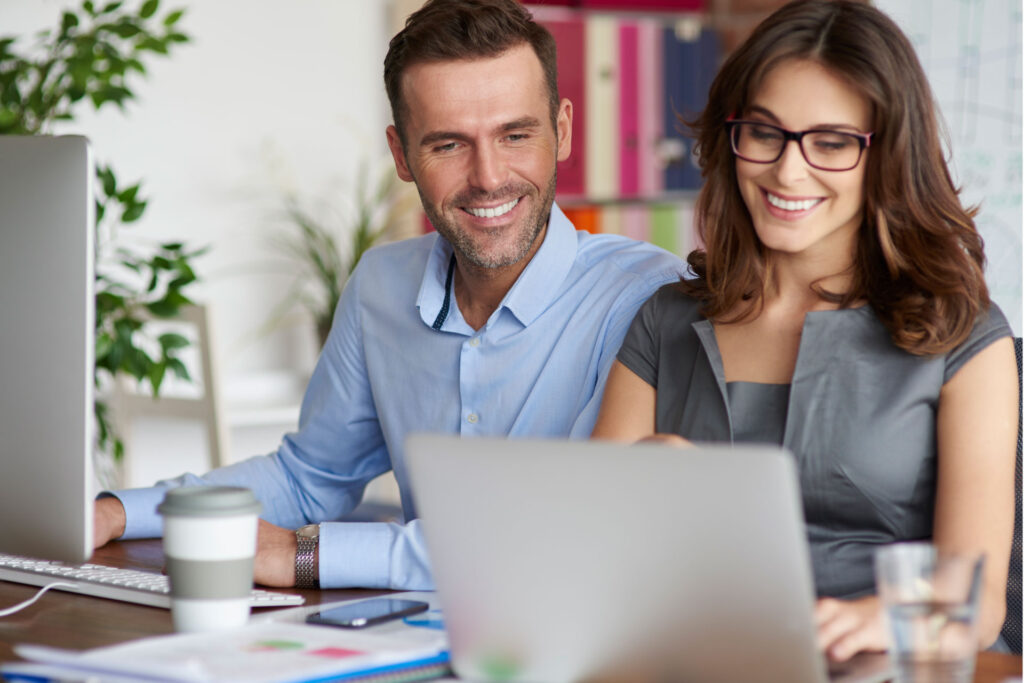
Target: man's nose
[489,171]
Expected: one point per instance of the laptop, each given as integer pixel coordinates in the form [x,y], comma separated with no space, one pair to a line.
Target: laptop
[591,561]
[46,346]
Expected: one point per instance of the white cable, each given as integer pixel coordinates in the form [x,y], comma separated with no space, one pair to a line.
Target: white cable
[22,605]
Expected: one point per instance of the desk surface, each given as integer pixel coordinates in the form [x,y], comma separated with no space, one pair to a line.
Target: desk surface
[79,622]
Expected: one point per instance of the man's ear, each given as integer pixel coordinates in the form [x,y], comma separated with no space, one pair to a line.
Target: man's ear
[564,129]
[398,154]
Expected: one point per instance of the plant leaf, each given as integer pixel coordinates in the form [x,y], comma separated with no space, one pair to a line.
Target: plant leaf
[179,369]
[149,8]
[171,340]
[172,18]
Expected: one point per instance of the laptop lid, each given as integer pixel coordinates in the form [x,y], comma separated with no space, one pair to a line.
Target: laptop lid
[46,346]
[559,560]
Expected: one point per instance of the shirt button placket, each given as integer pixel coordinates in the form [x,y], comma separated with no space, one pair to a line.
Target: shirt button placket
[470,384]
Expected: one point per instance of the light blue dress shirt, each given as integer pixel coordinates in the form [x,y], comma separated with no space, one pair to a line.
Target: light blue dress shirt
[536,369]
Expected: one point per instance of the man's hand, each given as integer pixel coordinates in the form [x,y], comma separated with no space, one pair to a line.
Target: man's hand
[846,627]
[108,521]
[275,556]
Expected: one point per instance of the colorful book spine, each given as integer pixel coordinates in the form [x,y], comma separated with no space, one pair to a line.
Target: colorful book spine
[568,30]
[629,109]
[636,222]
[644,5]
[651,96]
[690,56]
[586,218]
[602,97]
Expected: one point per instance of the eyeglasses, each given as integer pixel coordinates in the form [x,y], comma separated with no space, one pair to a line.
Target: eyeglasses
[826,150]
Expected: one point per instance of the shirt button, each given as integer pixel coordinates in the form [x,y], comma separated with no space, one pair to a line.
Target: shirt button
[475,341]
[472,418]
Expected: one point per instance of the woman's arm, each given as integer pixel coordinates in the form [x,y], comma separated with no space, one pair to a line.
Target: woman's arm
[627,409]
[976,433]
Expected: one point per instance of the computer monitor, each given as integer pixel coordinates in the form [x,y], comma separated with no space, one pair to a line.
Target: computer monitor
[46,347]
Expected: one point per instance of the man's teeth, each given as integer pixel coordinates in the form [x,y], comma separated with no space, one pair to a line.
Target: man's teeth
[493,212]
[801,205]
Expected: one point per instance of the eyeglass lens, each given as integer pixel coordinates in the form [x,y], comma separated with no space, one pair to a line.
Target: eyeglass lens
[824,149]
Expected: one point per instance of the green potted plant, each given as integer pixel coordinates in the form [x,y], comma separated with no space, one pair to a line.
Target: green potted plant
[326,244]
[90,59]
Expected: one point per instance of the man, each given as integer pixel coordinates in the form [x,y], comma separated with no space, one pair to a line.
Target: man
[504,322]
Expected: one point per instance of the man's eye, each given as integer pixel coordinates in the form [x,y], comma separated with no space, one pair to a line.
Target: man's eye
[446,147]
[516,137]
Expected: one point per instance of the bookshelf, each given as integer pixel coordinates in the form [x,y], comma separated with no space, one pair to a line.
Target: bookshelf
[632,68]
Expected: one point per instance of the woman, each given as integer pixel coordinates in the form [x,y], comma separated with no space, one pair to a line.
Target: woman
[839,309]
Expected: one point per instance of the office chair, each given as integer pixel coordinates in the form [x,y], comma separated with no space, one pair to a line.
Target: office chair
[1011,632]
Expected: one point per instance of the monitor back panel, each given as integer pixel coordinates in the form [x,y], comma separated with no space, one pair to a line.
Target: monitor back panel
[46,346]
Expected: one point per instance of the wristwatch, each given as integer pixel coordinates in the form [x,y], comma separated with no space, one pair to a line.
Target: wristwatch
[307,556]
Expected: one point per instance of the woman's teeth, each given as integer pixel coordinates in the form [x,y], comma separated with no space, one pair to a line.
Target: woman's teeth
[788,205]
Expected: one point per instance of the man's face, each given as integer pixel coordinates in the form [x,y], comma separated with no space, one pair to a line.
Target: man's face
[482,151]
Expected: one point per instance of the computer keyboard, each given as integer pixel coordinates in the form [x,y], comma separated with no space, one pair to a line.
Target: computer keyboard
[126,585]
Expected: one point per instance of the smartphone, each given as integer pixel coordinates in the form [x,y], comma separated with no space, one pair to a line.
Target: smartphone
[367,612]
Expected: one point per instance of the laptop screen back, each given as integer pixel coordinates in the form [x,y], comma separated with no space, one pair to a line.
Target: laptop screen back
[563,560]
[46,346]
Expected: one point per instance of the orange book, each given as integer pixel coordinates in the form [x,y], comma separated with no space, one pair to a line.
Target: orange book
[584,217]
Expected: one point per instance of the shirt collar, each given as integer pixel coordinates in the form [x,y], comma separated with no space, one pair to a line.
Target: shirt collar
[536,286]
[539,282]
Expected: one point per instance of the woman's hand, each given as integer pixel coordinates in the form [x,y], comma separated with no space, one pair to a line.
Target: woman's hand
[846,627]
[667,440]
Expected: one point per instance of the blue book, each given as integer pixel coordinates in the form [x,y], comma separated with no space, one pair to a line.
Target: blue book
[690,61]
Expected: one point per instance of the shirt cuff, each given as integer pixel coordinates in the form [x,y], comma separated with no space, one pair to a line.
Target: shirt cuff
[141,518]
[354,554]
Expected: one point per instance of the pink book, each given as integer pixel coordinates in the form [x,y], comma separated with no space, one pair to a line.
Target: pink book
[636,222]
[650,92]
[644,5]
[569,34]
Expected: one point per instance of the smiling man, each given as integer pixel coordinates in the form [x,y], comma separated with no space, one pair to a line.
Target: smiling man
[503,322]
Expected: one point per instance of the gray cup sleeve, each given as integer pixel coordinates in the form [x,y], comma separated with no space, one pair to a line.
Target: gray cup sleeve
[210,580]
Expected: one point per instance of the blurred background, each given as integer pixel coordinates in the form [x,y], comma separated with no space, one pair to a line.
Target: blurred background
[265,132]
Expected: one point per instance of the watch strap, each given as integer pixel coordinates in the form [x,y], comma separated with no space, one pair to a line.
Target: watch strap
[306,574]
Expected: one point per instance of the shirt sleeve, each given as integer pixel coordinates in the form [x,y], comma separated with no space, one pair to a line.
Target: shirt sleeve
[990,326]
[319,472]
[617,323]
[639,351]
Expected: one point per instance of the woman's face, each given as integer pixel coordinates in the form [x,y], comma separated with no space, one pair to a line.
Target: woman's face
[795,207]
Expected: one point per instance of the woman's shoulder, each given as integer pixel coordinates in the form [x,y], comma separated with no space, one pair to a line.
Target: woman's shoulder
[990,325]
[672,298]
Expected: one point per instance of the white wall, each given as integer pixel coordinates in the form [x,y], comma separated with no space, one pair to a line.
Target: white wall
[268,95]
[971,52]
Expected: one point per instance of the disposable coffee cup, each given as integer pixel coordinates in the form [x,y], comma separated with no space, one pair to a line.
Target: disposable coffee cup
[209,547]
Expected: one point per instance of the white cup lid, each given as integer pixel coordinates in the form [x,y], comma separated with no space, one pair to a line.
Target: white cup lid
[209,501]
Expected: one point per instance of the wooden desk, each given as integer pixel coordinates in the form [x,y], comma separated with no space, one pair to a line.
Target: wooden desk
[79,622]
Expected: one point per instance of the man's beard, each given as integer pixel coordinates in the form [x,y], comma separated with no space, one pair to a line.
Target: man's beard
[478,254]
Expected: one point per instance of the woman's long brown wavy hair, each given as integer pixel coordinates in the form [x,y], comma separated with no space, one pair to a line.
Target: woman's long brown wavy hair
[919,260]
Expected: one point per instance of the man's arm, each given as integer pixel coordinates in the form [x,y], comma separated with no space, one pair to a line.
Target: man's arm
[317,474]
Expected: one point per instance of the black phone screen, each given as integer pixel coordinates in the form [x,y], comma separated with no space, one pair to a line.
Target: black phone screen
[367,612]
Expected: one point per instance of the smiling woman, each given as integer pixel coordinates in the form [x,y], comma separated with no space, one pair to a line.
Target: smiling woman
[839,310]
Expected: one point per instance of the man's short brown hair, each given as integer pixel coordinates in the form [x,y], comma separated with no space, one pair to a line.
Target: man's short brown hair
[447,30]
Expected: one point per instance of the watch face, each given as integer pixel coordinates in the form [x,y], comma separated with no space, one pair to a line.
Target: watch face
[309,531]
